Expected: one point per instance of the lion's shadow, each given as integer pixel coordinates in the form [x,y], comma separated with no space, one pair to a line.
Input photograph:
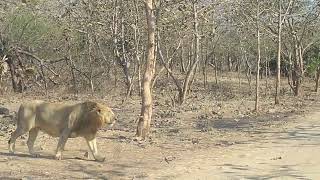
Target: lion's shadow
[22,155]
[41,156]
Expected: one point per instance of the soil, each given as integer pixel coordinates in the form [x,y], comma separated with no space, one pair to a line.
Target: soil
[215,135]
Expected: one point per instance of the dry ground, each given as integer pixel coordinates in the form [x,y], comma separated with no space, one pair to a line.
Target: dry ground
[215,135]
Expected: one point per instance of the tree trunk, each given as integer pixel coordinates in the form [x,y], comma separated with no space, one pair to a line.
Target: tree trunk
[183,68]
[298,68]
[229,60]
[137,42]
[15,77]
[248,72]
[267,75]
[317,80]
[115,40]
[277,99]
[143,127]
[239,72]
[214,60]
[215,69]
[189,58]
[205,65]
[258,60]
[191,71]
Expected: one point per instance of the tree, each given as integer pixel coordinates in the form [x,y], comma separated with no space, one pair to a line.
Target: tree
[301,25]
[258,58]
[144,122]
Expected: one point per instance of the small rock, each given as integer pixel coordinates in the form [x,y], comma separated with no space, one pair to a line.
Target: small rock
[168,159]
[26,178]
[173,130]
[195,141]
[276,158]
[271,111]
[4,111]
[86,155]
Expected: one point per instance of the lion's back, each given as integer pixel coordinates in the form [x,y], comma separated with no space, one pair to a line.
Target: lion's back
[50,117]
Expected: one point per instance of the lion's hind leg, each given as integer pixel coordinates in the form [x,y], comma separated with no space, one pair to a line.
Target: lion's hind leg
[33,133]
[17,133]
[62,142]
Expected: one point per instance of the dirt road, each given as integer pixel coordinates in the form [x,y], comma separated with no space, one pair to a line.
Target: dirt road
[285,152]
[288,153]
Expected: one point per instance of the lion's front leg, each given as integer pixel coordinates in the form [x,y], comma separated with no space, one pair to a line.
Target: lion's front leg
[92,143]
[62,142]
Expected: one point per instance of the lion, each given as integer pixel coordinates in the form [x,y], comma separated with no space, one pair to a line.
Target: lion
[63,121]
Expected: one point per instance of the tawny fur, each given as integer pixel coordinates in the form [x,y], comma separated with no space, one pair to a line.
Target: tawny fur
[62,120]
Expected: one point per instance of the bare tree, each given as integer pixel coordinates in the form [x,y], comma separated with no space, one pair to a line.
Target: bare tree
[281,19]
[258,58]
[143,128]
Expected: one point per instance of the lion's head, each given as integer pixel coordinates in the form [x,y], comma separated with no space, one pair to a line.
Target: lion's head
[99,113]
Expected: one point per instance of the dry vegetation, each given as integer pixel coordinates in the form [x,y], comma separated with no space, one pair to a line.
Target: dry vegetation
[206,96]
[218,118]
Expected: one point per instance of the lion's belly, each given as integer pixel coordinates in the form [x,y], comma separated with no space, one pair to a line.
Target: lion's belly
[53,125]
[49,128]
[50,131]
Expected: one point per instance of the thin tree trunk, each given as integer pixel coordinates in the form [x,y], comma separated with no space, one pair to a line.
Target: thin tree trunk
[75,89]
[266,75]
[139,71]
[280,21]
[239,72]
[143,127]
[278,77]
[229,61]
[205,65]
[196,56]
[290,72]
[16,83]
[258,60]
[137,42]
[44,78]
[115,40]
[183,68]
[215,69]
[91,83]
[317,80]
[248,73]
[189,57]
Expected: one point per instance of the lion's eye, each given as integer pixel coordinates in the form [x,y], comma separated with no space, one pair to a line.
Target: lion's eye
[99,111]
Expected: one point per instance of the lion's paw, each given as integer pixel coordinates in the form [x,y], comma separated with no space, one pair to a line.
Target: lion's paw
[99,158]
[11,152]
[58,156]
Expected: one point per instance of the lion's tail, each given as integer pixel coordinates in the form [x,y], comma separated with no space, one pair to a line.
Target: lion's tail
[17,115]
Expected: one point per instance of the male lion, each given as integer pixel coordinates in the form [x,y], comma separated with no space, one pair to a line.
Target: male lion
[63,121]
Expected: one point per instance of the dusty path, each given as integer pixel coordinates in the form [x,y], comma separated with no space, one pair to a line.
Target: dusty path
[288,153]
